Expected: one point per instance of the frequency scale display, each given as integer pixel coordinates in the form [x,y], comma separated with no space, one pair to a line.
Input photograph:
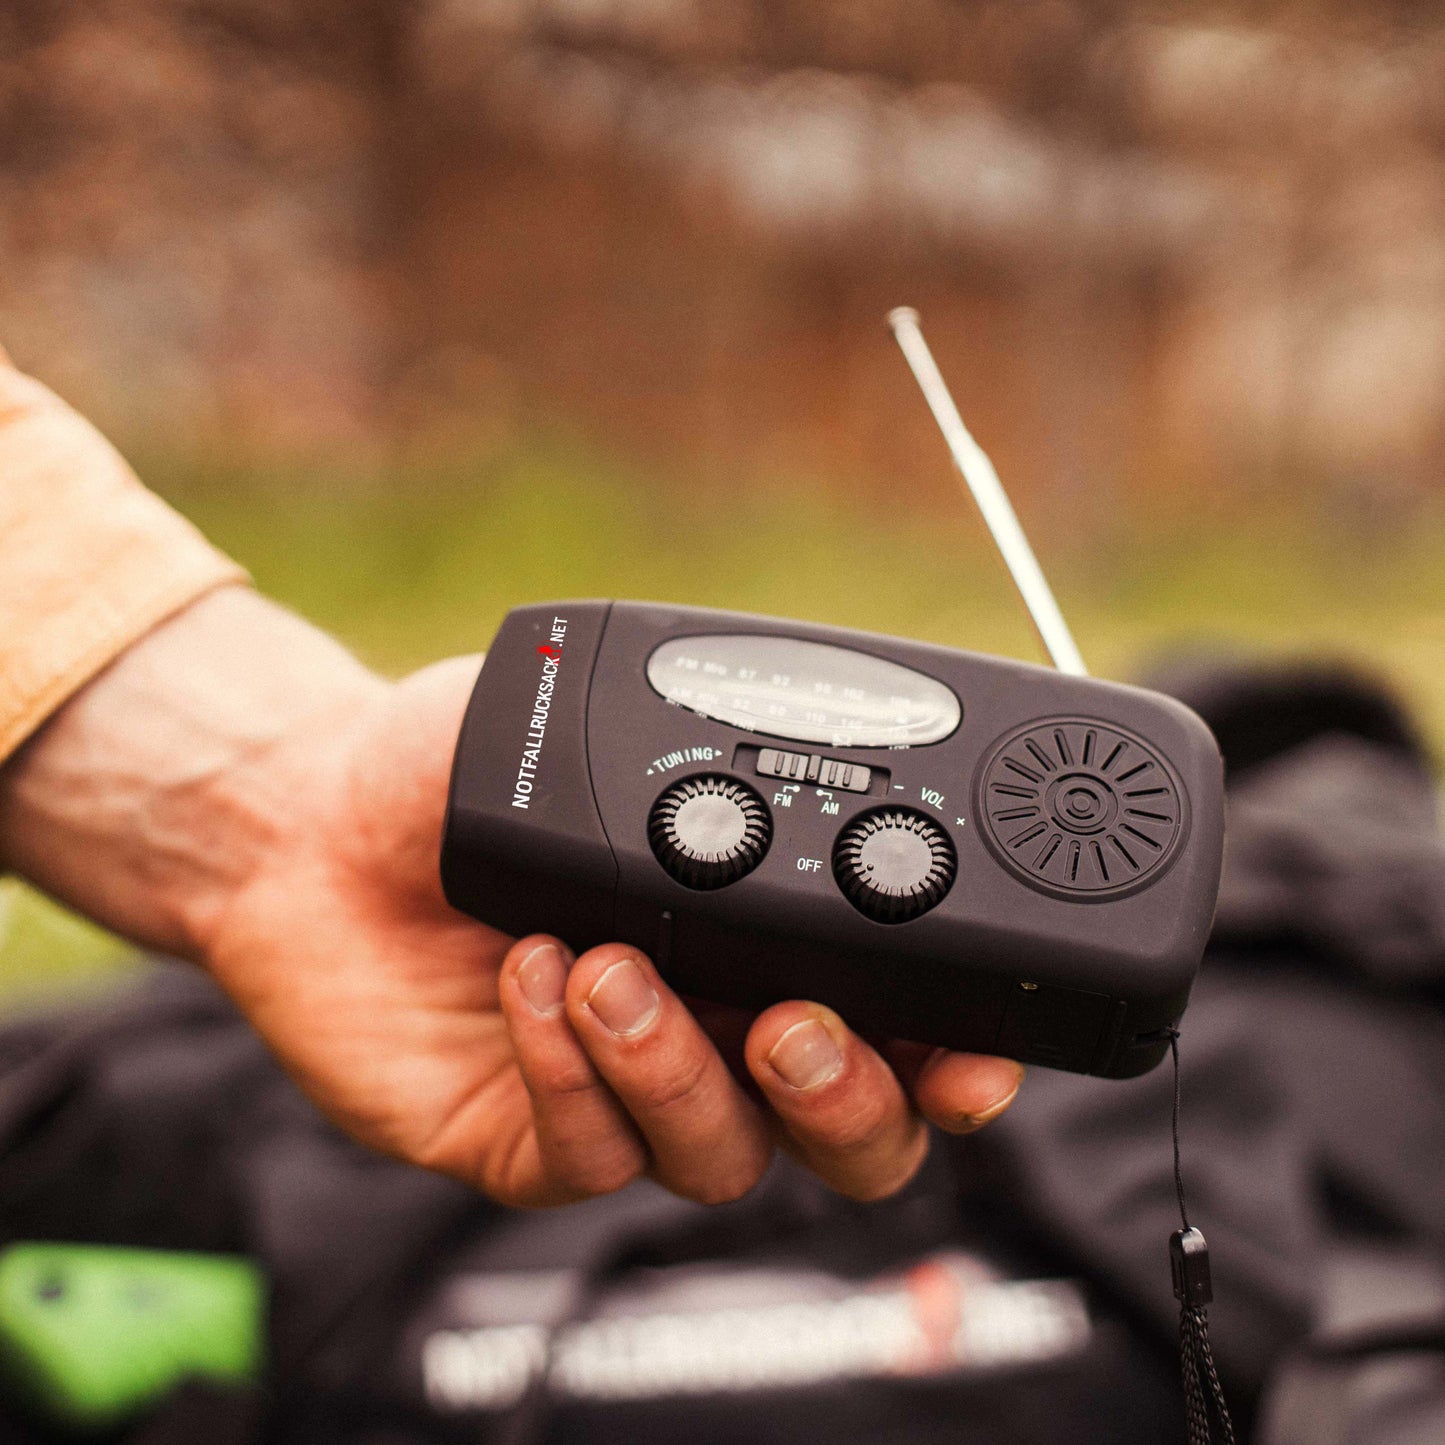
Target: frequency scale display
[806,692]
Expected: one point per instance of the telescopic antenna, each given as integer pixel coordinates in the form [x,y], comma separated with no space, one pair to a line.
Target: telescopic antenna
[988,492]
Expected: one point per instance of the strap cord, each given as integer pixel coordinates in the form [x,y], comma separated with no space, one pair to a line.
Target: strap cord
[1189,1266]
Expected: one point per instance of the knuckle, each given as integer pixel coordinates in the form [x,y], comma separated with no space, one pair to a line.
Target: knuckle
[448,1147]
[858,1128]
[440,1155]
[566,1080]
[674,1086]
[870,1191]
[723,1189]
[727,1189]
[883,1181]
[725,1170]
[600,1175]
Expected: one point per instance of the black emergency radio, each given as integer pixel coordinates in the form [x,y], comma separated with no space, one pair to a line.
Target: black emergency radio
[942,846]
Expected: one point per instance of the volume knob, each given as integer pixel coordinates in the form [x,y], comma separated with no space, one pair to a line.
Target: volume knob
[709,831]
[894,864]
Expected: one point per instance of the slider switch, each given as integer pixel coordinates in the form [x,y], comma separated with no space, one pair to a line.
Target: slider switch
[814,768]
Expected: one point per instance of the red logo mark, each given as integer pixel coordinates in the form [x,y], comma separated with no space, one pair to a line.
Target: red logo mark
[547,650]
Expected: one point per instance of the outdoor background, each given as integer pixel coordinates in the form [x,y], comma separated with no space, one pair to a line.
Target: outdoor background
[426,308]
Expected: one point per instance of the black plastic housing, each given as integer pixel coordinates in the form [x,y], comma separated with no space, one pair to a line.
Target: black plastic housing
[547,831]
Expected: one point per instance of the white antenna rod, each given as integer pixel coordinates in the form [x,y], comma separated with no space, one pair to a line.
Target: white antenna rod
[988,492]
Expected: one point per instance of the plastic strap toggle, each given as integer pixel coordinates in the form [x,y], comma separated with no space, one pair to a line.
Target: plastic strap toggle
[1189,1265]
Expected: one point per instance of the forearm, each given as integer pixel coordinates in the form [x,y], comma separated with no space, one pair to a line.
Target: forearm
[147,799]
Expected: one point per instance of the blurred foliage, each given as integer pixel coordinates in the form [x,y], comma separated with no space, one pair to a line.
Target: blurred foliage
[424,560]
[48,952]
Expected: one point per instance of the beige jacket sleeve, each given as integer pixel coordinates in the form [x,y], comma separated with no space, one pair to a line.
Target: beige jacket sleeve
[89,559]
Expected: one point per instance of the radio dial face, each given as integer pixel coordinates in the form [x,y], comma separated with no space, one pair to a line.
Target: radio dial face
[894,864]
[807,692]
[709,831]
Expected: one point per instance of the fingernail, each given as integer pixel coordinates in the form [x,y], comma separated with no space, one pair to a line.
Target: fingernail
[623,999]
[1001,1102]
[542,977]
[806,1055]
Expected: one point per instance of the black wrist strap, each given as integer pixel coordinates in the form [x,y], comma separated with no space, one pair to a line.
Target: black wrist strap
[1189,1266]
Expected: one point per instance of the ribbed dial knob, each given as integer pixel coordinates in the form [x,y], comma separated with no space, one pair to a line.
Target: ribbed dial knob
[894,863]
[709,831]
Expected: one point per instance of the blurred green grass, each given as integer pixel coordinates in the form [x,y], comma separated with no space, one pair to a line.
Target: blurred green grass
[410,563]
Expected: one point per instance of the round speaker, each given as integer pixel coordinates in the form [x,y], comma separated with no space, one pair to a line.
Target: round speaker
[1079,807]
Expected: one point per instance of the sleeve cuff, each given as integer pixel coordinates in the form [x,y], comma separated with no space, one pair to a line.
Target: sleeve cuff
[89,559]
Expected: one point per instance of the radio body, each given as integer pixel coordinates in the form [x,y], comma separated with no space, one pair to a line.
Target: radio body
[942,846]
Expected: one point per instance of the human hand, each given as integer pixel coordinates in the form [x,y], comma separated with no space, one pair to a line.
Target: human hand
[536,1077]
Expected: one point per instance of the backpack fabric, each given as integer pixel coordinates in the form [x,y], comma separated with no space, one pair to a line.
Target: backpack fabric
[1017,1292]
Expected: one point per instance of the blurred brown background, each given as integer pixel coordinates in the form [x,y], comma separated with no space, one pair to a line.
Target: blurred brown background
[428,308]
[1159,250]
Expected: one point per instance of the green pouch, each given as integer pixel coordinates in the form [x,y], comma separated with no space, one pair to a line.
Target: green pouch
[91,1335]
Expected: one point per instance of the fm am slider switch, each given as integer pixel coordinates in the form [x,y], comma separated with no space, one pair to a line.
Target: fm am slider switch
[814,768]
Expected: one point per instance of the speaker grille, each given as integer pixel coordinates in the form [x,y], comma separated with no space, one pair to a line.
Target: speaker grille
[1075,806]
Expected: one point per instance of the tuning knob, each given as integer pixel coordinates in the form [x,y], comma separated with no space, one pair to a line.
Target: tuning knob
[709,831]
[894,864]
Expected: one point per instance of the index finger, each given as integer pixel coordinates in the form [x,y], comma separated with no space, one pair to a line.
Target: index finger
[707,1139]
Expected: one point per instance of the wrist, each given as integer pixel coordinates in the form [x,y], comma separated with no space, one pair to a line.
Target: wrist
[166,783]
[263,807]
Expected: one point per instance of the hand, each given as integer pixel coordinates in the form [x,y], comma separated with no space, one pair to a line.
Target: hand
[536,1077]
[236,789]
